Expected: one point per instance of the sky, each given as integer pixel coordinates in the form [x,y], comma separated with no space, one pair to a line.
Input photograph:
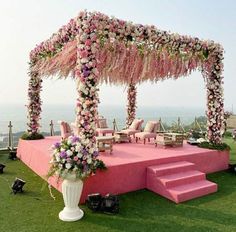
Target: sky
[25,23]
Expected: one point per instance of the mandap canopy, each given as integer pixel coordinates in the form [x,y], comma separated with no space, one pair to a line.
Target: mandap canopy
[94,48]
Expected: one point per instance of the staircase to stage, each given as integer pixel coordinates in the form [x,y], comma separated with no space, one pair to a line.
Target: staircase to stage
[179,181]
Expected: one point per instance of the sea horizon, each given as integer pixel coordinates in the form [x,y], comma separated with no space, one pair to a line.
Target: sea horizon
[17,114]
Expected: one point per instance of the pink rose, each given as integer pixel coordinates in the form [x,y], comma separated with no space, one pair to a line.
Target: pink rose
[77,73]
[88,42]
[94,38]
[76,158]
[83,53]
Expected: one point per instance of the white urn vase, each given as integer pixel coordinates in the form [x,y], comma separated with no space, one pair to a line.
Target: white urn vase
[71,191]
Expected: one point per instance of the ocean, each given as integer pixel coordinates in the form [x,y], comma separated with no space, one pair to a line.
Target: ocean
[17,114]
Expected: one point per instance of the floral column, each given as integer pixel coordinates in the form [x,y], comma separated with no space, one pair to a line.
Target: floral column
[215,101]
[34,105]
[87,81]
[131,107]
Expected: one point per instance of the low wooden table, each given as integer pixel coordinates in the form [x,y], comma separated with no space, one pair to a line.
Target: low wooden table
[105,143]
[170,139]
[121,137]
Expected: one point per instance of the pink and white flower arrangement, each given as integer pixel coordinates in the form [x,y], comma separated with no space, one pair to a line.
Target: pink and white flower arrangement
[69,158]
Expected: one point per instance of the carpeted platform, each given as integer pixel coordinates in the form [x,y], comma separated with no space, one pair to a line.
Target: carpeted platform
[127,166]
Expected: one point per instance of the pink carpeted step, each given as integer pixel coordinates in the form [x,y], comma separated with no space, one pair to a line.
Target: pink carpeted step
[189,191]
[181,178]
[170,168]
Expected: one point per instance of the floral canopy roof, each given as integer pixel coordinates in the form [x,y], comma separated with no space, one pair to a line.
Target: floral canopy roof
[95,48]
[125,52]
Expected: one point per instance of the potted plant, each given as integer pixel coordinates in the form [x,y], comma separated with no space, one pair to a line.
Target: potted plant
[73,163]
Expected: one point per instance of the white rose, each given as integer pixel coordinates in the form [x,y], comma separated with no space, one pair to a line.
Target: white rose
[68,165]
[79,155]
[77,148]
[91,150]
[69,153]
[89,160]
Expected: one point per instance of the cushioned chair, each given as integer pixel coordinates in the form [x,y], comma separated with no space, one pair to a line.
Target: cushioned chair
[74,128]
[102,128]
[135,127]
[65,129]
[150,131]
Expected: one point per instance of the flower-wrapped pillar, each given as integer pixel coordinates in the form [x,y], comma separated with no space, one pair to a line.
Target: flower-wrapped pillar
[131,107]
[34,104]
[87,81]
[215,101]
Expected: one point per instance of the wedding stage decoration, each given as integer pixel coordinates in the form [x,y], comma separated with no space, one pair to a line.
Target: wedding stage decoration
[94,48]
[71,162]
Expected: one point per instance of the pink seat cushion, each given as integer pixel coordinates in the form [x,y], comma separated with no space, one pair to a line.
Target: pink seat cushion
[135,124]
[145,135]
[102,123]
[65,129]
[74,128]
[129,131]
[149,127]
[140,124]
[104,131]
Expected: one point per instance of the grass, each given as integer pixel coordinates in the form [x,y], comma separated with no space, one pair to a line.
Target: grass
[35,210]
[232,144]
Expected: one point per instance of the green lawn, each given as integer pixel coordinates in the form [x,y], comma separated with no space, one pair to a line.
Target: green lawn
[35,210]
[232,144]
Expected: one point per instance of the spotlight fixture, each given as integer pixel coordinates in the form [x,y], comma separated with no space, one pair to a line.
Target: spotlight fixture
[94,201]
[12,155]
[2,166]
[17,186]
[232,168]
[108,204]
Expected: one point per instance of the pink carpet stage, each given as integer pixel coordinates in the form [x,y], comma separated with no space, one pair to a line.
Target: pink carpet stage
[127,166]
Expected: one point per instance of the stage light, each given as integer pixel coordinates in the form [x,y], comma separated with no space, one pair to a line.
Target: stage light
[12,155]
[232,168]
[94,201]
[17,186]
[2,166]
[108,204]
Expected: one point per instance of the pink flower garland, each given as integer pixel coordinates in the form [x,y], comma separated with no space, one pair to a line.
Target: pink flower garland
[131,107]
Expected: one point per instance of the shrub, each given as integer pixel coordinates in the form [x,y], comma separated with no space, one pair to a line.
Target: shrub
[214,146]
[227,134]
[33,136]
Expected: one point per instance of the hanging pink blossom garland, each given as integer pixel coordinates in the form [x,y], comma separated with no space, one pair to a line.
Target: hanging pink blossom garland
[131,107]
[34,105]
[123,51]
